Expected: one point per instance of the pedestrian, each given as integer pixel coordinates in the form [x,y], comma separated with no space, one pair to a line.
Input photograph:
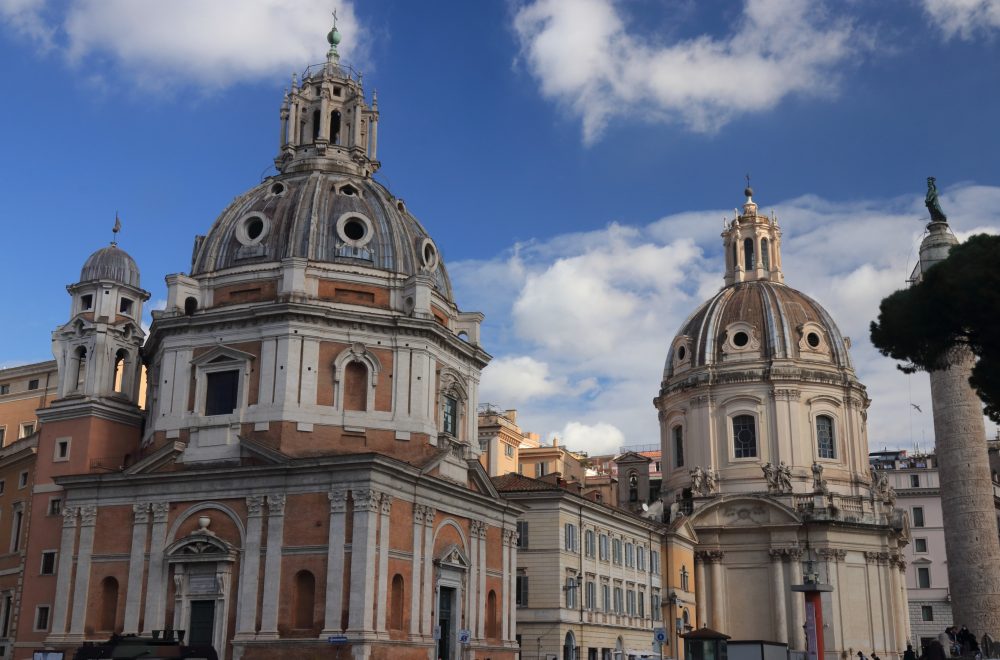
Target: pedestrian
[935,651]
[908,654]
[875,656]
[861,656]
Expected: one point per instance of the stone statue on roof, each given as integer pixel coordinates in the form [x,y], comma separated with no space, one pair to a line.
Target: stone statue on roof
[933,205]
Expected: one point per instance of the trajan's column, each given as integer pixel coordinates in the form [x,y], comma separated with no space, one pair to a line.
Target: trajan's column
[967,492]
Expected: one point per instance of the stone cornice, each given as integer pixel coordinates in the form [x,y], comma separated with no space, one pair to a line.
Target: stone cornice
[103,408]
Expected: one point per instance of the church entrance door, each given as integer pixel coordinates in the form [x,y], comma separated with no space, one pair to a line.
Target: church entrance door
[202,625]
[445,600]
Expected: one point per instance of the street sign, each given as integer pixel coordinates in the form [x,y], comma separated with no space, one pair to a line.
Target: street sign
[437,632]
[464,636]
[659,635]
[336,639]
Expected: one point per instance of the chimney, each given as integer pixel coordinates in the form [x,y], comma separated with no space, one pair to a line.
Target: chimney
[555,441]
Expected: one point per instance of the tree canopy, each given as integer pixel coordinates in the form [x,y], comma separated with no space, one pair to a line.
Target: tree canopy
[956,303]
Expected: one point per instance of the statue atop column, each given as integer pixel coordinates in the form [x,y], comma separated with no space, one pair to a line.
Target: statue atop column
[933,205]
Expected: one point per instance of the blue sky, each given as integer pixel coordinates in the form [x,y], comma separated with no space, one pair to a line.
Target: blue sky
[572,159]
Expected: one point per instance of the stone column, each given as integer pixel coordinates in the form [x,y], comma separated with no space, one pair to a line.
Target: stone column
[383,562]
[333,613]
[797,639]
[156,578]
[899,603]
[715,557]
[429,591]
[700,590]
[136,567]
[831,557]
[246,618]
[778,588]
[366,506]
[66,548]
[419,511]
[81,587]
[272,567]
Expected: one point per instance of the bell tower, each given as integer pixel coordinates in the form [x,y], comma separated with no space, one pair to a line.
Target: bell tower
[326,123]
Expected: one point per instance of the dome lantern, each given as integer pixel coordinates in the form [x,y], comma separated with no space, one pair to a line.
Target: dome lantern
[752,245]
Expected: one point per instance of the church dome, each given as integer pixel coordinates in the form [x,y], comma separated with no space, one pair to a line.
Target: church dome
[111,263]
[757,319]
[321,216]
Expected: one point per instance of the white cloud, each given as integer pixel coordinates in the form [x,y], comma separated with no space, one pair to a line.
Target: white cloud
[212,45]
[580,323]
[586,57]
[963,18]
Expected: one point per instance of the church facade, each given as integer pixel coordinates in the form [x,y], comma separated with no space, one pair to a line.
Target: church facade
[305,471]
[765,462]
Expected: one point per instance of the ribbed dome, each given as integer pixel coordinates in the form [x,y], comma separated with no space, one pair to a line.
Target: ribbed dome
[111,263]
[778,321]
[324,217]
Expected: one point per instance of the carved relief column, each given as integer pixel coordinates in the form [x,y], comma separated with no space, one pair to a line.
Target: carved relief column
[136,567]
[383,562]
[417,567]
[428,602]
[272,567]
[66,548]
[246,618]
[366,506]
[81,587]
[779,588]
[797,640]
[333,613]
[700,589]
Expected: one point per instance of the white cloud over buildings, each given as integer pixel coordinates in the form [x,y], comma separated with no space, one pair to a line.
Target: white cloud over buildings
[580,324]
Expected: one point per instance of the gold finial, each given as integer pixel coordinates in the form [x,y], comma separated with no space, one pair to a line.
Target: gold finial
[117,228]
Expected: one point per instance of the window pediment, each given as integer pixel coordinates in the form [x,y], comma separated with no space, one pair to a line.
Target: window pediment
[221,354]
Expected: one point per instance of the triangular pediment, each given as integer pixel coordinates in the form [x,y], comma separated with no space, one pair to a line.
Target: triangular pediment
[453,556]
[159,461]
[222,354]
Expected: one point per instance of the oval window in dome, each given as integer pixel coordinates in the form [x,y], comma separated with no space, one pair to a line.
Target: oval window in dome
[681,353]
[252,228]
[278,189]
[428,254]
[355,229]
[813,339]
[741,339]
[255,227]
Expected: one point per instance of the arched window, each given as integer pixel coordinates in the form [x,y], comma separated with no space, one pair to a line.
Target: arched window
[678,433]
[748,254]
[633,487]
[355,386]
[190,305]
[765,254]
[81,367]
[492,625]
[315,124]
[736,258]
[304,599]
[685,579]
[109,603]
[686,619]
[744,436]
[396,603]
[824,436]
[120,362]
[335,127]
[569,647]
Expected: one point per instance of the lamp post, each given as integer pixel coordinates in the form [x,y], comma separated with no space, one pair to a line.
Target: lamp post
[813,590]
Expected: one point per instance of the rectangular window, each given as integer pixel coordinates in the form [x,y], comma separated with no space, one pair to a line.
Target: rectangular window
[927,612]
[125,306]
[522,533]
[5,388]
[508,450]
[654,605]
[450,416]
[629,555]
[654,562]
[27,429]
[744,436]
[678,446]
[33,384]
[918,516]
[221,390]
[590,596]
[603,547]
[86,302]
[41,618]
[3,433]
[3,482]
[923,577]
[570,589]
[914,481]
[920,545]
[15,530]
[521,587]
[606,597]
[642,605]
[571,543]
[22,479]
[640,557]
[630,603]
[619,601]
[8,603]
[55,506]
[588,543]
[616,551]
[520,468]
[48,563]
[61,450]
[540,469]
[824,436]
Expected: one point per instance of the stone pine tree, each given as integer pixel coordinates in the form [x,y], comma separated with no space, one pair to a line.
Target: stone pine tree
[941,325]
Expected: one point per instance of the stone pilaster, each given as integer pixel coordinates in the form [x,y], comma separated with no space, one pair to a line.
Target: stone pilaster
[429,514]
[136,567]
[796,640]
[778,589]
[272,567]
[81,586]
[701,590]
[246,618]
[366,507]
[383,562]
[155,580]
[335,564]
[66,551]
[416,567]
[509,615]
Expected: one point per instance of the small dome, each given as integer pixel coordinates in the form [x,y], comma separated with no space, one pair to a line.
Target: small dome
[111,263]
[324,217]
[777,323]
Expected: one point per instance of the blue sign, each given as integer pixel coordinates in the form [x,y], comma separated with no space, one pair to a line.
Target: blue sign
[464,636]
[336,639]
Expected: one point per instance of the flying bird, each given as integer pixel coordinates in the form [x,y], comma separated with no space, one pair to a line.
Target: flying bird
[917,407]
